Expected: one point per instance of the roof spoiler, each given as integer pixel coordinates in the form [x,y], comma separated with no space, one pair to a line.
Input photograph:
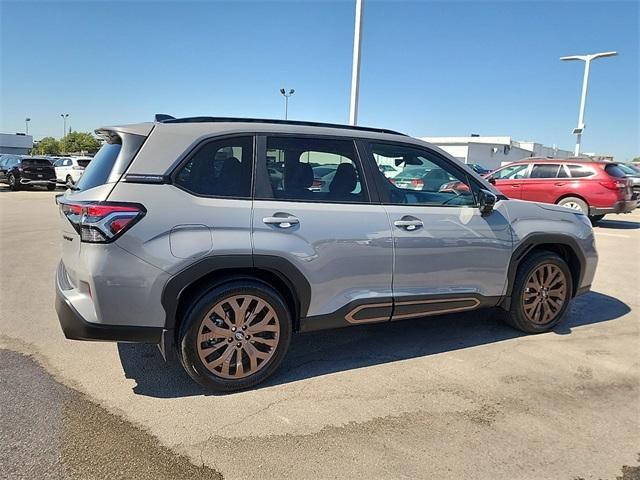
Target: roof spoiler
[161,117]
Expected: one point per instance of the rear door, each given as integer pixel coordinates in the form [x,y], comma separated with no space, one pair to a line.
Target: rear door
[542,183]
[335,236]
[448,257]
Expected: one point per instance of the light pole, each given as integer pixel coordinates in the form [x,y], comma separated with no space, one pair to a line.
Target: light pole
[355,67]
[64,123]
[286,100]
[585,84]
[26,125]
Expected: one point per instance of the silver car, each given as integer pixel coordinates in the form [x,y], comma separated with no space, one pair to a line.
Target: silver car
[177,234]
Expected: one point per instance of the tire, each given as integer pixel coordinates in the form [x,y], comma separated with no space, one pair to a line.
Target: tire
[575,203]
[522,313]
[261,343]
[13,183]
[595,219]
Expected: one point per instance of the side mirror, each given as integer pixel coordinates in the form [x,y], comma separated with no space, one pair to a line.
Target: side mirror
[487,200]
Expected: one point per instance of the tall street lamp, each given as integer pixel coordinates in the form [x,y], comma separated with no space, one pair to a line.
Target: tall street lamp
[64,123]
[355,66]
[583,98]
[286,100]
[26,125]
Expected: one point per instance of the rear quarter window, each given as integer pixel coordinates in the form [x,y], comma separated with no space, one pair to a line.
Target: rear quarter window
[579,171]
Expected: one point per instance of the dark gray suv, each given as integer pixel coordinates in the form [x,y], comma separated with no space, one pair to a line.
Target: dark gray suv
[215,239]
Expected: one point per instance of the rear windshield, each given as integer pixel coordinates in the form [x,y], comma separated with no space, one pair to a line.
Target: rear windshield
[615,171]
[98,171]
[35,162]
[84,163]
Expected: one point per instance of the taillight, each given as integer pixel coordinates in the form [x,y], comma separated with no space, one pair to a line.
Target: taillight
[417,183]
[614,184]
[101,222]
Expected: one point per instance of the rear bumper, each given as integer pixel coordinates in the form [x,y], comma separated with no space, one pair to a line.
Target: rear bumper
[618,207]
[27,181]
[75,327]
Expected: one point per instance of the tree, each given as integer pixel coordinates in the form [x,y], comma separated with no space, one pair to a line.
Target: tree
[636,160]
[76,142]
[47,146]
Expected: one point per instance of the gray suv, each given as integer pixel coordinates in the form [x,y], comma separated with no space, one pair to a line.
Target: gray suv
[215,239]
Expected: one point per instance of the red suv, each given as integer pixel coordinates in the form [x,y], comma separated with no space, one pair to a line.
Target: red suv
[595,188]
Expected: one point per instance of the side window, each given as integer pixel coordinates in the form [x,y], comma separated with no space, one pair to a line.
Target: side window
[220,168]
[563,172]
[578,171]
[511,173]
[418,177]
[314,170]
[544,170]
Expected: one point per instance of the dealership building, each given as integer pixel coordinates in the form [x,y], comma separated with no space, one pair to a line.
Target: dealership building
[492,152]
[16,143]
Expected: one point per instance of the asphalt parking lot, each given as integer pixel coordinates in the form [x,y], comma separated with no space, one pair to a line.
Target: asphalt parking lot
[461,396]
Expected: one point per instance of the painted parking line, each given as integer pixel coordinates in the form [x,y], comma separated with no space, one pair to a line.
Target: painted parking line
[606,234]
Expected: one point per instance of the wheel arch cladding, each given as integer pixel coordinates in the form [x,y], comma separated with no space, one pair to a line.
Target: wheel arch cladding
[182,289]
[563,245]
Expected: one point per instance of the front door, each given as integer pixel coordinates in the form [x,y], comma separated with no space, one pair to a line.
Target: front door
[448,257]
[509,180]
[543,182]
[312,210]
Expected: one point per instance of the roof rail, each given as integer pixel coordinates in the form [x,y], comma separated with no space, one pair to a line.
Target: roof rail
[163,118]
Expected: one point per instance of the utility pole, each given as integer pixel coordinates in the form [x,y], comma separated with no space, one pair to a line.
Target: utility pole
[26,125]
[355,67]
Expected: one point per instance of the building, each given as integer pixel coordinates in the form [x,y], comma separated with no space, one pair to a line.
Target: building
[492,152]
[16,143]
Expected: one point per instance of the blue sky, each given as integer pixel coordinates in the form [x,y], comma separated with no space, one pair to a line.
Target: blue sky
[428,68]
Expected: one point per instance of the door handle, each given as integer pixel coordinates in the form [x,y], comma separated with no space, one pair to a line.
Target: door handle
[282,222]
[409,224]
[559,184]
[515,185]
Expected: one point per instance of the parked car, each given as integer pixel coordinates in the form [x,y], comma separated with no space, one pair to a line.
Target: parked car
[322,177]
[70,169]
[388,171]
[20,172]
[479,169]
[594,188]
[633,174]
[421,177]
[194,248]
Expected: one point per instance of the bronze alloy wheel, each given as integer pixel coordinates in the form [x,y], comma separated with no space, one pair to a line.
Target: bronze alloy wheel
[238,336]
[545,294]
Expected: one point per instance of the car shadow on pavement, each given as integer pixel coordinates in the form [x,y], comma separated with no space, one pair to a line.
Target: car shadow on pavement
[320,353]
[618,224]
